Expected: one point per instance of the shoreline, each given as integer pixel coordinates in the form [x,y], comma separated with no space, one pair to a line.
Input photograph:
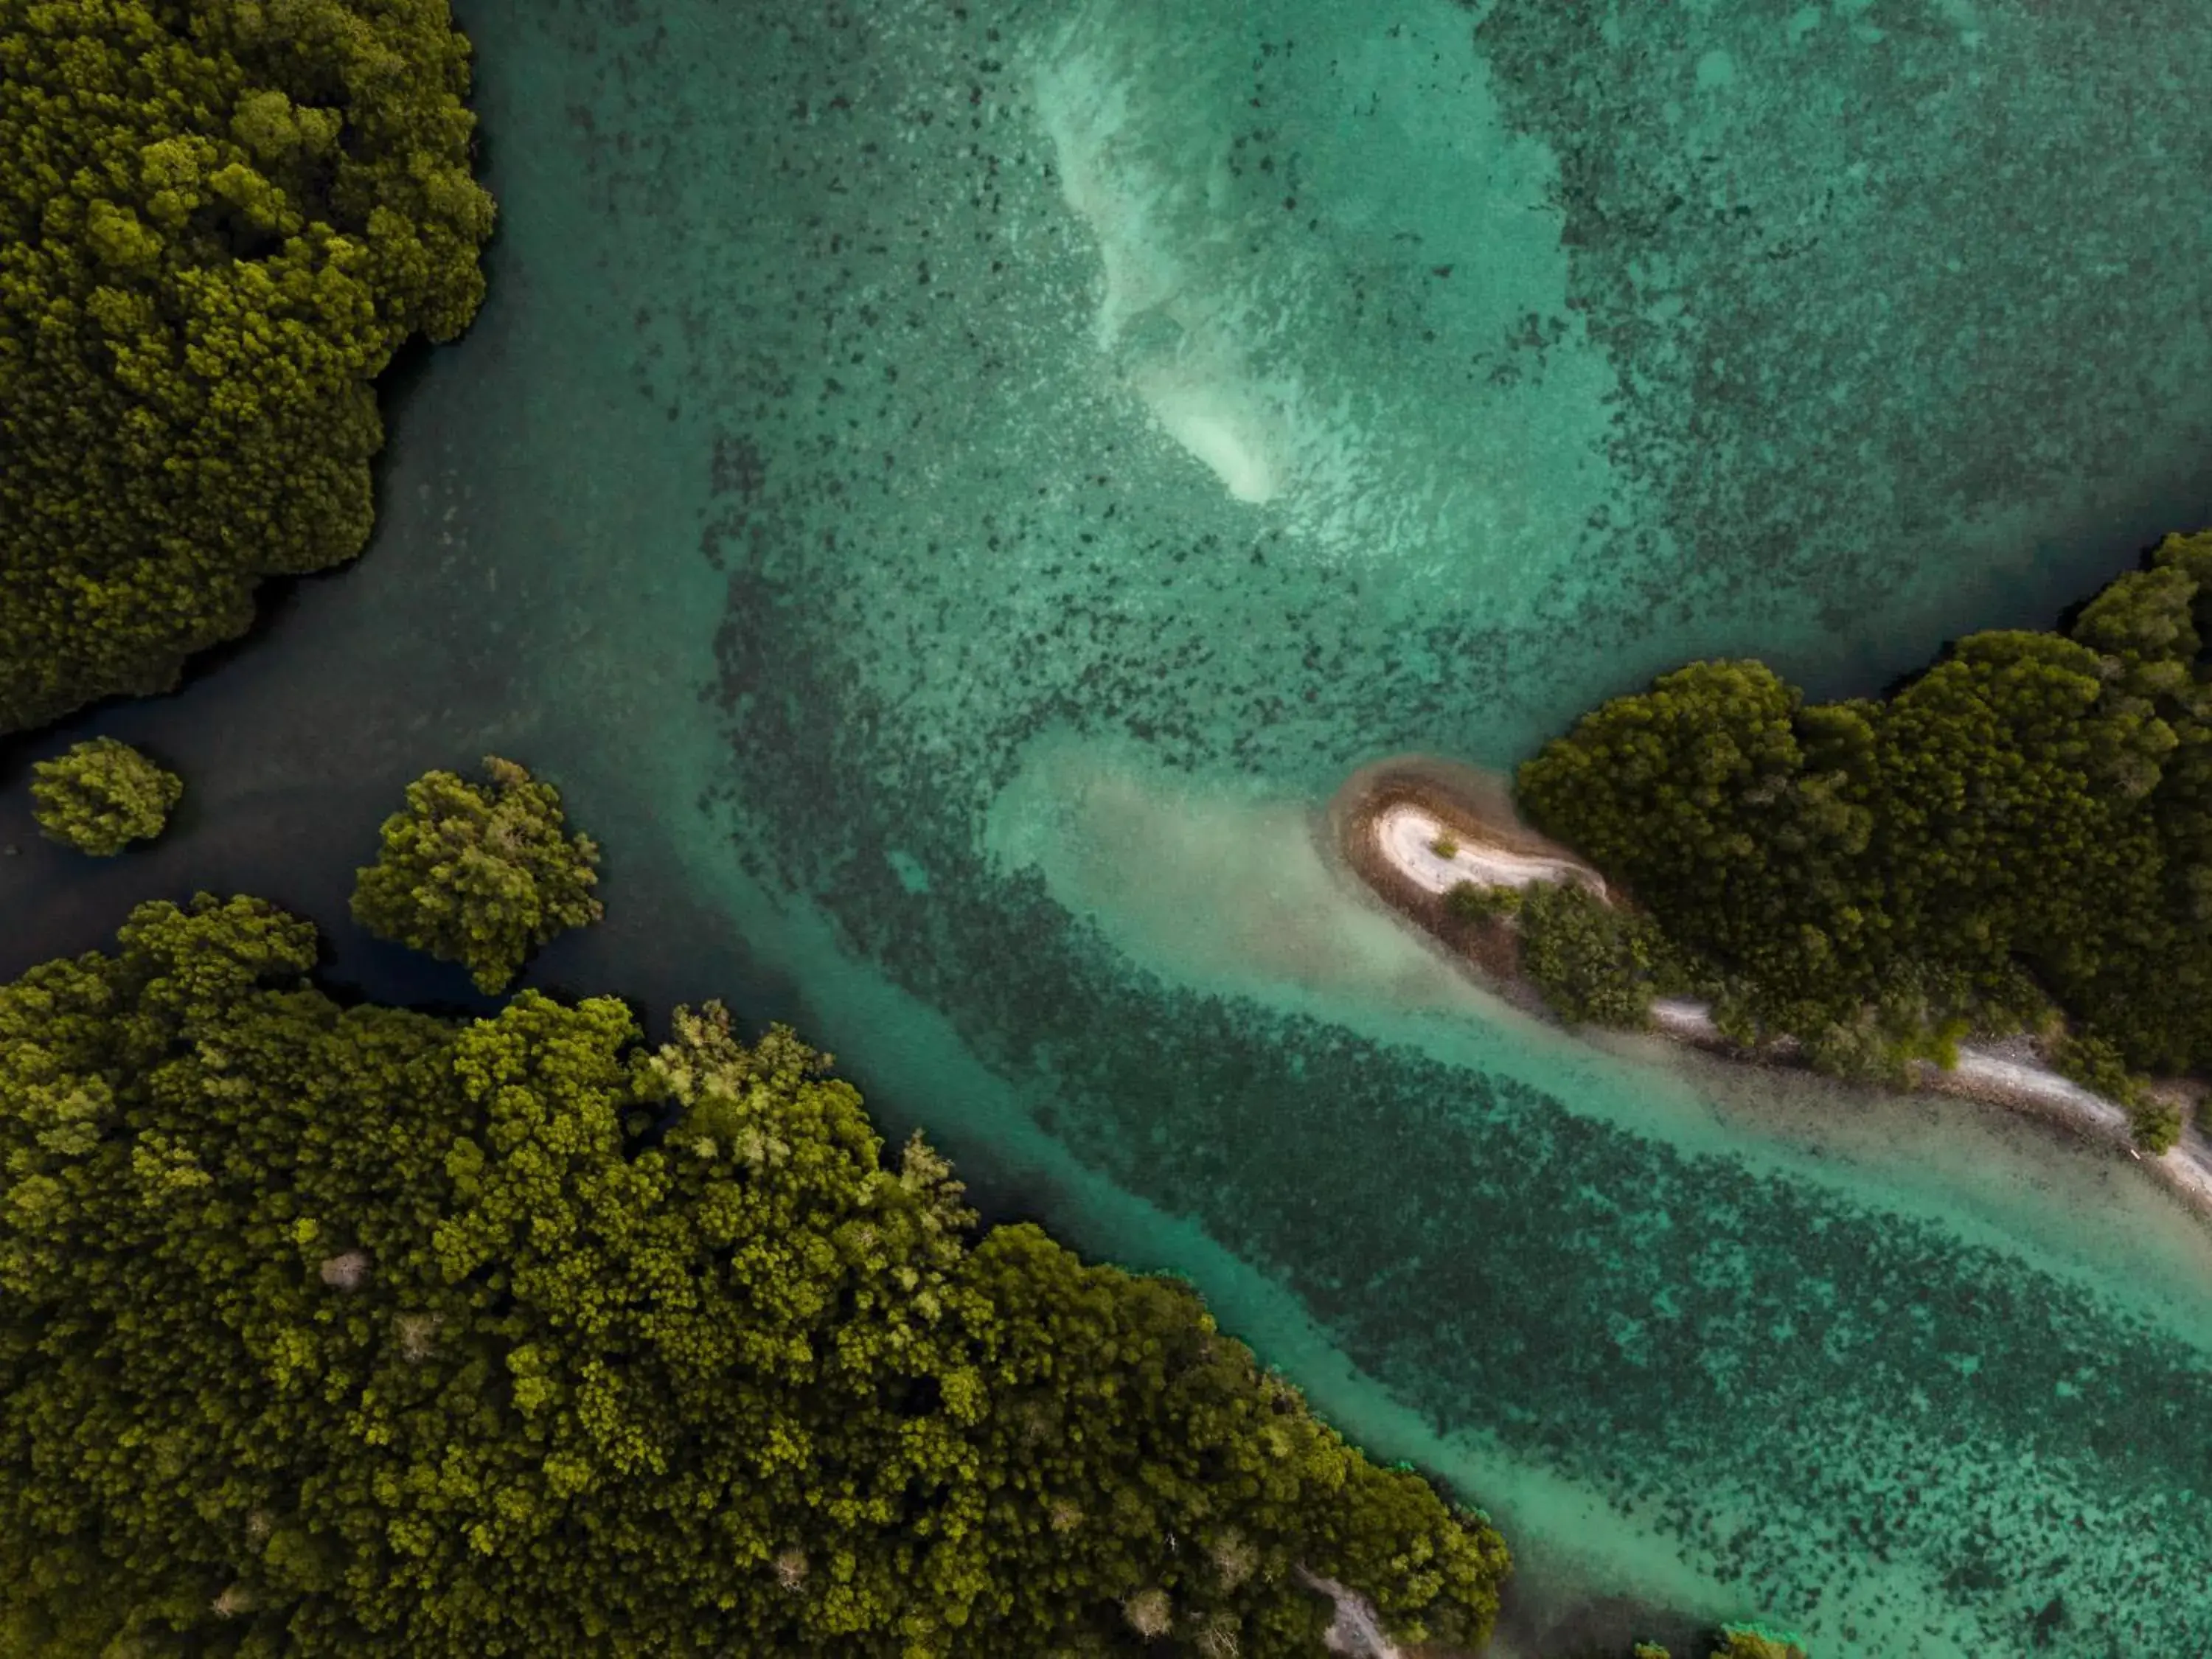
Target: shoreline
[1384,820]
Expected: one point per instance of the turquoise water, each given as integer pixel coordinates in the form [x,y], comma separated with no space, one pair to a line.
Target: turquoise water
[950,492]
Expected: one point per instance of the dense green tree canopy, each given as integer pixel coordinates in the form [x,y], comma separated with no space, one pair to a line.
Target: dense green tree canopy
[2030,820]
[479,873]
[100,795]
[349,1331]
[218,220]
[1594,963]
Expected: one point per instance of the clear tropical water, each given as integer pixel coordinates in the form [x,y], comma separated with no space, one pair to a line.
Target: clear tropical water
[950,490]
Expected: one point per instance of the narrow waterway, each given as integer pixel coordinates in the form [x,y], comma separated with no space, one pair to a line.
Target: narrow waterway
[950,490]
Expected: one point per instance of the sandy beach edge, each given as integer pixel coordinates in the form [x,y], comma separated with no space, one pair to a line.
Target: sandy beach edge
[1475,809]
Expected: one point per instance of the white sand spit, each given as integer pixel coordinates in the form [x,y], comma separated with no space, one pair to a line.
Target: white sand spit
[1409,838]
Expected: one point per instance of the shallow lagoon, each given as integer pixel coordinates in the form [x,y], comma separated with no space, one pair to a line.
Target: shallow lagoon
[950,491]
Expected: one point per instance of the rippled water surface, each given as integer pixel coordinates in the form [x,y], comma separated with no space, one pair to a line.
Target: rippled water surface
[950,490]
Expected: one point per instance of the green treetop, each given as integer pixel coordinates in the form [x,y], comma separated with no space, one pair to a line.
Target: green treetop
[2029,822]
[1750,1642]
[478,874]
[100,795]
[1738,1641]
[1594,963]
[218,220]
[353,1332]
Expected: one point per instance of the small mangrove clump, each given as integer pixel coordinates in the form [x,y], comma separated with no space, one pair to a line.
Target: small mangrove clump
[1469,903]
[102,794]
[2097,1066]
[477,874]
[1750,1642]
[1593,963]
[1738,1641]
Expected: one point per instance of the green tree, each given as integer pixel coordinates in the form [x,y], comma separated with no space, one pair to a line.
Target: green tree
[2002,833]
[478,874]
[349,1331]
[1731,812]
[1469,902]
[1737,1642]
[2029,822]
[100,795]
[1750,1642]
[2095,1063]
[1593,961]
[218,218]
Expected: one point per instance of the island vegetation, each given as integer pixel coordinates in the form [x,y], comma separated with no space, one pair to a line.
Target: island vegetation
[480,874]
[349,1330]
[218,219]
[100,795]
[1738,1641]
[2017,840]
